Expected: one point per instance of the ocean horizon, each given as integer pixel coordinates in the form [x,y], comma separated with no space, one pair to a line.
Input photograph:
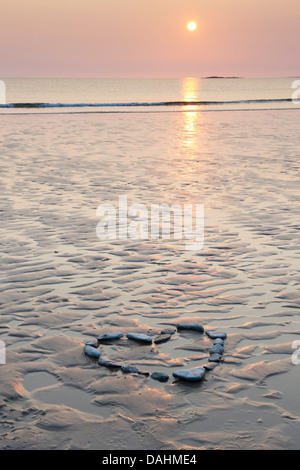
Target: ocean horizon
[155,95]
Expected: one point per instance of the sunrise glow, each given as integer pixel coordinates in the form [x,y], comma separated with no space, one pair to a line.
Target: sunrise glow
[192,26]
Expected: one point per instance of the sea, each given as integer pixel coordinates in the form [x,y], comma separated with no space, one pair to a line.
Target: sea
[147,95]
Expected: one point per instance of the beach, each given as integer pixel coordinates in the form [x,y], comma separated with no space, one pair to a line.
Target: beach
[62,286]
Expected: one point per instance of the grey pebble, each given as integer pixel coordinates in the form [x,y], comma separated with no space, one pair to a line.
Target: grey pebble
[162,338]
[216,334]
[191,326]
[217,349]
[215,358]
[160,376]
[93,344]
[110,336]
[168,331]
[219,341]
[108,363]
[91,351]
[133,370]
[190,375]
[129,370]
[210,366]
[139,337]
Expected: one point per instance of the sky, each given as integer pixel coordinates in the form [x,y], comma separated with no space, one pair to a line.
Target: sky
[149,38]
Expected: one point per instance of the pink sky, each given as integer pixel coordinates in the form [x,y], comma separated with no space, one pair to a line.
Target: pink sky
[148,38]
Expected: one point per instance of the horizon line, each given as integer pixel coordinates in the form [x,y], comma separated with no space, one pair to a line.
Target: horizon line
[149,77]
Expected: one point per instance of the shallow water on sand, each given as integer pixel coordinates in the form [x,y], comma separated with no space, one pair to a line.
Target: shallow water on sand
[61,285]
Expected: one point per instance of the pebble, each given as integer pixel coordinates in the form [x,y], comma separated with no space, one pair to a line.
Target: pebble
[215,358]
[93,344]
[217,349]
[110,336]
[190,375]
[160,376]
[133,370]
[216,334]
[129,370]
[168,331]
[162,338]
[210,366]
[192,326]
[91,351]
[219,341]
[139,337]
[108,363]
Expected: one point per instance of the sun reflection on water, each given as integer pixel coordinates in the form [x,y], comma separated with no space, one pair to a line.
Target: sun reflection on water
[193,135]
[188,168]
[190,88]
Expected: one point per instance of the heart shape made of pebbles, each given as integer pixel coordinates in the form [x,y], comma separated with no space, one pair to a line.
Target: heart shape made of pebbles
[195,374]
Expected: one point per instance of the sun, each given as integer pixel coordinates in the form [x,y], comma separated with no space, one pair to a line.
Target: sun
[191,26]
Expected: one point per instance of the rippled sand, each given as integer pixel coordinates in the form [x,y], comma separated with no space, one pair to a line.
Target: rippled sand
[61,285]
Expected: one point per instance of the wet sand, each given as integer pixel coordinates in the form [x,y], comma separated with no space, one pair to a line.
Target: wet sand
[62,286]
